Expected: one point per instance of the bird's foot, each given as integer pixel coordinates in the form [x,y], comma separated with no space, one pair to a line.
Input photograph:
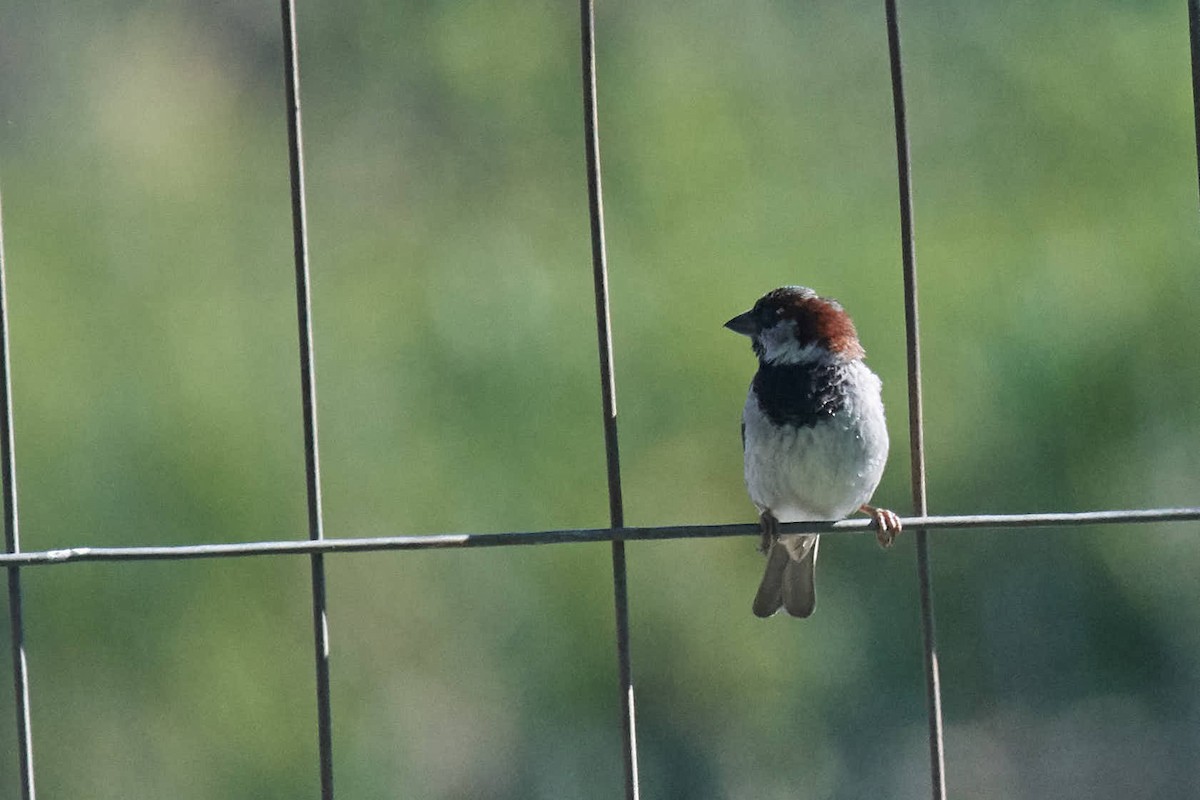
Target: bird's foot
[770,531]
[887,524]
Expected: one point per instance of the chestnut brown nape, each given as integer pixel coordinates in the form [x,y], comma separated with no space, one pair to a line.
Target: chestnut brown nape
[823,321]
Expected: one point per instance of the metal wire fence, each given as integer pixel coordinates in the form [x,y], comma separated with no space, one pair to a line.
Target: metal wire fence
[317,546]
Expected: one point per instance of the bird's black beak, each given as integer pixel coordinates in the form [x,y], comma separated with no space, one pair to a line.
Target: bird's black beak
[744,324]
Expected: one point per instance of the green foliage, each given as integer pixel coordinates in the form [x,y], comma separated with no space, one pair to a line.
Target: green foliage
[745,145]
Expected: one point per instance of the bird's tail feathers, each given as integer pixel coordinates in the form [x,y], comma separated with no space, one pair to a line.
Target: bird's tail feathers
[788,581]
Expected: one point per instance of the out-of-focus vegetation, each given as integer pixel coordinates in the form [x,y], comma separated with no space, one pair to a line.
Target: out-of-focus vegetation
[745,145]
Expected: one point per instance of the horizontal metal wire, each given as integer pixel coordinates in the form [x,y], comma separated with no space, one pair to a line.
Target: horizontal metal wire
[453,540]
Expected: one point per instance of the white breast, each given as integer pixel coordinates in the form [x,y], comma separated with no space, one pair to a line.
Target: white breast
[821,472]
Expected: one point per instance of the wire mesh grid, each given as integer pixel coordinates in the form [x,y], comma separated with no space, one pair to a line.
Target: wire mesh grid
[14,559]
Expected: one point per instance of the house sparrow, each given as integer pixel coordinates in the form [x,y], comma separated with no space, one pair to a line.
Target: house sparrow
[813,435]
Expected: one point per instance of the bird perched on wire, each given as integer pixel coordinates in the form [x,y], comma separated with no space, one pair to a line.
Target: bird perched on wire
[813,435]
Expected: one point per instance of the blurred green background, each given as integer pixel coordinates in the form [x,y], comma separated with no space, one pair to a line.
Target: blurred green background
[745,145]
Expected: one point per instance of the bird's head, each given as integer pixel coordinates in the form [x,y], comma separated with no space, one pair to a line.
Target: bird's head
[792,325]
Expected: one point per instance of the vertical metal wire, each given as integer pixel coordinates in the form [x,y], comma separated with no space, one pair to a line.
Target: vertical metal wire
[587,16]
[308,391]
[12,544]
[933,683]
[1194,37]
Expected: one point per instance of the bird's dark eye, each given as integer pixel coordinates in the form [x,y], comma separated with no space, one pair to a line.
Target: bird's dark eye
[767,315]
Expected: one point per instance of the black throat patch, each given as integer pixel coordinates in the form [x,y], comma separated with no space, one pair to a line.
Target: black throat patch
[800,395]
